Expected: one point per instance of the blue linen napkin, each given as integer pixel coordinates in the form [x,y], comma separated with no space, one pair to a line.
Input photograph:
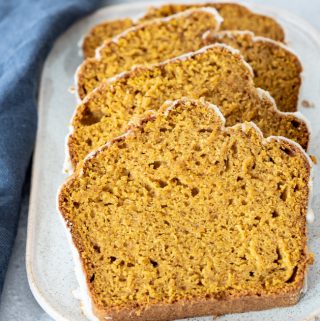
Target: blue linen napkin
[27,31]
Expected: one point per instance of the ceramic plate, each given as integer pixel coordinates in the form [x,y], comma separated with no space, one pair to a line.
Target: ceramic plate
[49,261]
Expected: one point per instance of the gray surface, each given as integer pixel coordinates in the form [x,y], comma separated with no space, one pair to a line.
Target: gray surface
[17,302]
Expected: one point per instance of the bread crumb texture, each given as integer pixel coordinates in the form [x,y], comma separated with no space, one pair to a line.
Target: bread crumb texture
[103,32]
[147,43]
[276,69]
[184,208]
[214,73]
[235,17]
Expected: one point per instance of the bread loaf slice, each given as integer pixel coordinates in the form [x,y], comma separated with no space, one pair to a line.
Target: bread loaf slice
[102,32]
[168,219]
[216,73]
[236,17]
[276,68]
[147,43]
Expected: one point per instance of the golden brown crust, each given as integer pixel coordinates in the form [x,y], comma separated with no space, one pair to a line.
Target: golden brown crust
[236,17]
[215,306]
[139,81]
[211,305]
[147,43]
[276,68]
[202,307]
[103,32]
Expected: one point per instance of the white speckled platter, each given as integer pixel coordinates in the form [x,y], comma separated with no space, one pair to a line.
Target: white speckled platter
[49,260]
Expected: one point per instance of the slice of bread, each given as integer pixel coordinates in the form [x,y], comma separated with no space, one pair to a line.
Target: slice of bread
[103,32]
[276,68]
[147,43]
[168,218]
[216,72]
[236,17]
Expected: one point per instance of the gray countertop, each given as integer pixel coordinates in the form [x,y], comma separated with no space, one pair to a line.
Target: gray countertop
[17,302]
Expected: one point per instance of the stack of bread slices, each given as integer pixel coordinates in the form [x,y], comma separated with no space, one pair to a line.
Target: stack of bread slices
[190,179]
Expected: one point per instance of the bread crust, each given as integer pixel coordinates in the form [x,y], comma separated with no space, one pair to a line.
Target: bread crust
[247,42]
[298,125]
[211,305]
[108,29]
[88,70]
[201,307]
[215,306]
[242,11]
[102,32]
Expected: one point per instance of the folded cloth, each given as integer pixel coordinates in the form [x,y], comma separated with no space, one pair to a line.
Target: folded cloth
[28,29]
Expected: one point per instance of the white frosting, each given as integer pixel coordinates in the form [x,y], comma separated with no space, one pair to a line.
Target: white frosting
[305,285]
[244,127]
[310,214]
[76,84]
[67,165]
[94,153]
[120,75]
[228,33]
[219,19]
[216,109]
[97,55]
[80,46]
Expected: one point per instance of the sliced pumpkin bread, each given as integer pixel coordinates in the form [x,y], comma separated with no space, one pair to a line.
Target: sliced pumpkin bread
[168,218]
[236,17]
[147,43]
[276,68]
[102,32]
[216,73]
